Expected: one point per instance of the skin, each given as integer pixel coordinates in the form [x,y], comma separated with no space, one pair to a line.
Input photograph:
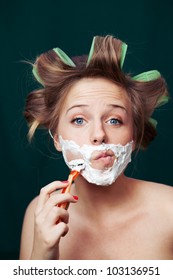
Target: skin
[127,220]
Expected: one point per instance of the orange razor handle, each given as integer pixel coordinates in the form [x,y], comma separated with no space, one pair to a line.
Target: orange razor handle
[73,174]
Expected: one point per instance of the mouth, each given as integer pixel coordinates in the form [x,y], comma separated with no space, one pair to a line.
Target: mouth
[103,154]
[103,159]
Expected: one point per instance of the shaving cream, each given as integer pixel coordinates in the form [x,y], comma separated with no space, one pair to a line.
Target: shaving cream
[82,163]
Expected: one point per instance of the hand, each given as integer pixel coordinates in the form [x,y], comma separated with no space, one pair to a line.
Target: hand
[50,221]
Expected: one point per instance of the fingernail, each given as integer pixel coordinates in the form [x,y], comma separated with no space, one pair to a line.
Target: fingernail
[64,182]
[75,197]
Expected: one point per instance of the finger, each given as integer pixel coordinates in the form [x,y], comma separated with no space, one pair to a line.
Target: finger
[61,229]
[54,234]
[58,231]
[56,200]
[46,191]
[57,214]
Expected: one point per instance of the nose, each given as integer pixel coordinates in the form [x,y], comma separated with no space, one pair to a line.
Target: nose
[98,134]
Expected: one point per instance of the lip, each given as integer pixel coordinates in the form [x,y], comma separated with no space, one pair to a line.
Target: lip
[103,159]
[103,154]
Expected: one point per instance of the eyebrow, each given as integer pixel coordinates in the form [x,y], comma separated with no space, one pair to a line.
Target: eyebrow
[118,106]
[109,105]
[76,106]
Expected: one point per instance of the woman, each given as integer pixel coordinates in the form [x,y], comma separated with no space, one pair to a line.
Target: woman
[97,115]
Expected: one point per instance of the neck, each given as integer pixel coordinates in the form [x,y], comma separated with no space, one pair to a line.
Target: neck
[91,196]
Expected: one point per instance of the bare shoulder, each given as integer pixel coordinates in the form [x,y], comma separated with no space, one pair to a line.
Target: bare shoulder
[161,193]
[149,188]
[28,221]
[28,230]
[31,207]
[157,199]
[164,196]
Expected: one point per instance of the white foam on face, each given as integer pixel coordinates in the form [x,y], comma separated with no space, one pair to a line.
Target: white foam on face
[77,164]
[101,177]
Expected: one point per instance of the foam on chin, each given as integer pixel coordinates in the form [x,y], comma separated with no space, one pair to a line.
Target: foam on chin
[82,163]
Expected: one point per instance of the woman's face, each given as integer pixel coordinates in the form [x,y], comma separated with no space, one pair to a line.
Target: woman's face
[96,111]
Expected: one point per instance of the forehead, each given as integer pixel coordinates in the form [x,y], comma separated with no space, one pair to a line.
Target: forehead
[91,90]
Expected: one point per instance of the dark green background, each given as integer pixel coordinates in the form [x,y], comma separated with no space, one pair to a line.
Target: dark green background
[29,27]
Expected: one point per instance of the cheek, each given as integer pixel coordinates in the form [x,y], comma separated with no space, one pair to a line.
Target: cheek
[62,128]
[68,132]
[131,131]
[124,135]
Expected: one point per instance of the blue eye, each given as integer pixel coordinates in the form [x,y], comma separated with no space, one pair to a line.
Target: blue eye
[78,121]
[114,122]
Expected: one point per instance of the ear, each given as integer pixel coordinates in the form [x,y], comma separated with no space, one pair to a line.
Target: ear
[57,143]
